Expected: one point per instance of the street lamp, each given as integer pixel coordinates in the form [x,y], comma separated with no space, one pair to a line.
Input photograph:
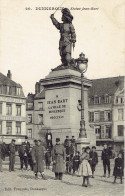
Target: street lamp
[82,64]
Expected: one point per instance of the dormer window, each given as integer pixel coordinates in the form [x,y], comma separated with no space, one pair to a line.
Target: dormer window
[96,100]
[18,91]
[107,99]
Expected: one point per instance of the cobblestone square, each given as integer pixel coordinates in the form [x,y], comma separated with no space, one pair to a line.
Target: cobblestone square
[24,183]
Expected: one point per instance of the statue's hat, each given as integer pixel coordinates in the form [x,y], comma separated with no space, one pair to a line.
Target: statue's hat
[67,14]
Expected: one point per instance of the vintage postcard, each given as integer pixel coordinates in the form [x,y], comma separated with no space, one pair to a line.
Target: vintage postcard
[62,97]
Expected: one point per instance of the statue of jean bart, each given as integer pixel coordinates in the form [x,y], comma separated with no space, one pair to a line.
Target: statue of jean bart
[67,35]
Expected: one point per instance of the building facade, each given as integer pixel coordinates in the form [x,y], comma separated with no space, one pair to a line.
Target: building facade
[106,111]
[12,110]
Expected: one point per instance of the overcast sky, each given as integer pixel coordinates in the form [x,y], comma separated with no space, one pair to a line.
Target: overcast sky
[29,41]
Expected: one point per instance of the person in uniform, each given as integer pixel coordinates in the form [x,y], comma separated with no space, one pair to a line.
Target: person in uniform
[23,156]
[69,156]
[38,159]
[118,168]
[58,158]
[93,159]
[12,150]
[106,154]
[67,35]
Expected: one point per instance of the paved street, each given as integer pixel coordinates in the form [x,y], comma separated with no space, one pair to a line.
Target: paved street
[23,183]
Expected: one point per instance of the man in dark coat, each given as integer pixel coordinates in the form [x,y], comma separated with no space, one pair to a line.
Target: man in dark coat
[76,162]
[38,159]
[23,156]
[12,150]
[93,159]
[69,156]
[66,141]
[118,168]
[58,158]
[106,154]
[49,139]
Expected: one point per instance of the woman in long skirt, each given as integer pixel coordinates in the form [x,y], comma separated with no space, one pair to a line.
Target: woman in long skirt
[85,169]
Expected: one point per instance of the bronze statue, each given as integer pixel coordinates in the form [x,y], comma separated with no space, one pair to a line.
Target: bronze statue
[67,35]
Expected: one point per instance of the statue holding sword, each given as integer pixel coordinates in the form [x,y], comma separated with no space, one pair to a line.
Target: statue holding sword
[67,35]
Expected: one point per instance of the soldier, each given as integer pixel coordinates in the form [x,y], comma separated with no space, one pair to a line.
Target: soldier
[66,141]
[12,150]
[93,159]
[38,159]
[69,156]
[23,156]
[106,154]
[67,35]
[58,157]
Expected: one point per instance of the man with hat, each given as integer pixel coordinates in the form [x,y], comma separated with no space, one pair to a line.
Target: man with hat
[93,159]
[58,157]
[38,159]
[69,156]
[23,156]
[12,150]
[67,35]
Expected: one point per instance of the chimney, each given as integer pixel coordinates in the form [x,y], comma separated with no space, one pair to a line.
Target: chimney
[9,75]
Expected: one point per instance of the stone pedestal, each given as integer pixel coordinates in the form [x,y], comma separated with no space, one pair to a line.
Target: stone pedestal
[82,142]
[62,92]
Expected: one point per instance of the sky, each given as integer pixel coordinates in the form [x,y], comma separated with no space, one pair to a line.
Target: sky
[29,42]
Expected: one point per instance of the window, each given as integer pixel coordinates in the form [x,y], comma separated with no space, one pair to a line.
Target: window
[0,128]
[40,105]
[96,100]
[18,110]
[91,116]
[29,133]
[8,109]
[101,116]
[98,132]
[0,89]
[97,116]
[120,130]
[18,91]
[108,132]
[107,99]
[120,114]
[29,118]
[0,108]
[40,118]
[30,105]
[8,128]
[8,90]
[108,115]
[18,128]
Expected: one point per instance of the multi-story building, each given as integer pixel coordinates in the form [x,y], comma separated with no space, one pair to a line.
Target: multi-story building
[12,110]
[106,111]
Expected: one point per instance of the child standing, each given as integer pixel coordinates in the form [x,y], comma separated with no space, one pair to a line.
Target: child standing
[85,169]
[76,161]
[118,168]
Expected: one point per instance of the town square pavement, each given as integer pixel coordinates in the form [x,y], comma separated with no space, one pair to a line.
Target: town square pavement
[22,183]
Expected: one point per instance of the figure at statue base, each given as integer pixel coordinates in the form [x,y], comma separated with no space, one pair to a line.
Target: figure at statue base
[67,36]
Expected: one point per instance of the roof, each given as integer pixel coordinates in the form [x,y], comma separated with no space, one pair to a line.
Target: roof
[4,80]
[105,86]
[40,95]
[30,98]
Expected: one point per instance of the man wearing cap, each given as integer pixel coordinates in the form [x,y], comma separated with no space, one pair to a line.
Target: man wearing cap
[93,159]
[58,157]
[27,147]
[106,155]
[67,35]
[23,156]
[38,159]
[12,150]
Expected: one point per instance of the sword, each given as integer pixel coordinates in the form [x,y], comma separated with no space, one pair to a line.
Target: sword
[58,7]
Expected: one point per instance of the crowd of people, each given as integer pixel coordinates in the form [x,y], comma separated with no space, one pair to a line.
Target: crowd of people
[64,158]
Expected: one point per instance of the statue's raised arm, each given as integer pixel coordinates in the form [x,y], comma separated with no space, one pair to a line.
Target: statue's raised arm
[67,35]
